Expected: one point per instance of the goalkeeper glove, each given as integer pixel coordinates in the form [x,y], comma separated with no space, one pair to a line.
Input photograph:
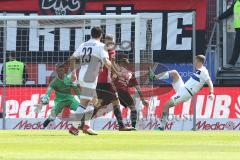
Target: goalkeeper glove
[151,74]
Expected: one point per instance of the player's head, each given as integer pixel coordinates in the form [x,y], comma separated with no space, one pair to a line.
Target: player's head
[109,41]
[96,33]
[200,60]
[60,71]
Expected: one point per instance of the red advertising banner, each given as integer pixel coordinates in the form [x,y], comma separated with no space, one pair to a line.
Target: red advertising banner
[20,103]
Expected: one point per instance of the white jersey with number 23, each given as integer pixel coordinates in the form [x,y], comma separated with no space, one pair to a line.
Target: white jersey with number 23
[91,55]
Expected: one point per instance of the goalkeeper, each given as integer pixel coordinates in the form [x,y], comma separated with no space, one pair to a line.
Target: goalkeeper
[63,95]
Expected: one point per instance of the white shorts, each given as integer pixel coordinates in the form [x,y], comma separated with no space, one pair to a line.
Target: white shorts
[88,90]
[182,94]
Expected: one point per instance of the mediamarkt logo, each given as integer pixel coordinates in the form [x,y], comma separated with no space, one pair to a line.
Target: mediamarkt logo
[26,125]
[229,125]
[62,7]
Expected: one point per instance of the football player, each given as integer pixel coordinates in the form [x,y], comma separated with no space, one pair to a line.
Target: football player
[123,82]
[184,91]
[92,54]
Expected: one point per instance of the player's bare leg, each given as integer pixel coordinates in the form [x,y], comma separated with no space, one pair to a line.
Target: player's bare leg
[170,103]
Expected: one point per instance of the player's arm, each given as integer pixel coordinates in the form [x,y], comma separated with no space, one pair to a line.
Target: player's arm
[211,89]
[109,65]
[44,100]
[133,83]
[49,91]
[115,66]
[141,95]
[227,13]
[72,62]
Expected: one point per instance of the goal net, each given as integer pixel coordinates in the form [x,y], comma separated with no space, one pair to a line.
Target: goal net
[35,44]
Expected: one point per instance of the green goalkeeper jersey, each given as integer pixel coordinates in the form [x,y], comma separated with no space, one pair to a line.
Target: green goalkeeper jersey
[63,92]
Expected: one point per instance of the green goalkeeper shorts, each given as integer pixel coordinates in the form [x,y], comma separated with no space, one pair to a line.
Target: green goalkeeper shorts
[72,104]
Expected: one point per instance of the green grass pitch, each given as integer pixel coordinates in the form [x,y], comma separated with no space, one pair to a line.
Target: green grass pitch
[114,145]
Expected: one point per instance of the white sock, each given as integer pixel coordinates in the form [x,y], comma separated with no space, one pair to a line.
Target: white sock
[164,75]
[88,114]
[80,110]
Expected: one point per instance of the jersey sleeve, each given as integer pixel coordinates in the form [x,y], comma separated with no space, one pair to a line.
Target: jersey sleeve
[77,53]
[206,76]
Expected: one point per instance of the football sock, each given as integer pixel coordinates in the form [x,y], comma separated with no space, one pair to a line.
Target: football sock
[164,120]
[165,116]
[80,110]
[118,116]
[88,114]
[133,118]
[46,122]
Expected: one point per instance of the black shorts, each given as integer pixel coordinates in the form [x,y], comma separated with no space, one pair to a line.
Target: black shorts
[125,98]
[106,93]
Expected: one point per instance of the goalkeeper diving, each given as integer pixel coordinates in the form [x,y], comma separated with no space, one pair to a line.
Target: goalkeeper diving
[63,96]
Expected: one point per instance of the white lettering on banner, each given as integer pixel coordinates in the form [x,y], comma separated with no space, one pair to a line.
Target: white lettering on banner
[153,103]
[175,40]
[201,112]
[157,19]
[12,32]
[64,39]
[12,35]
[43,73]
[174,31]
[35,34]
[12,107]
[125,28]
[186,108]
[27,107]
[23,107]
[221,108]
[237,107]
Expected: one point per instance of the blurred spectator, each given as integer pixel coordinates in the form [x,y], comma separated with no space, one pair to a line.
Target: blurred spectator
[15,71]
[233,10]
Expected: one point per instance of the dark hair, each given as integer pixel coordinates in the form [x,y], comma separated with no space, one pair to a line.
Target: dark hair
[201,58]
[96,32]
